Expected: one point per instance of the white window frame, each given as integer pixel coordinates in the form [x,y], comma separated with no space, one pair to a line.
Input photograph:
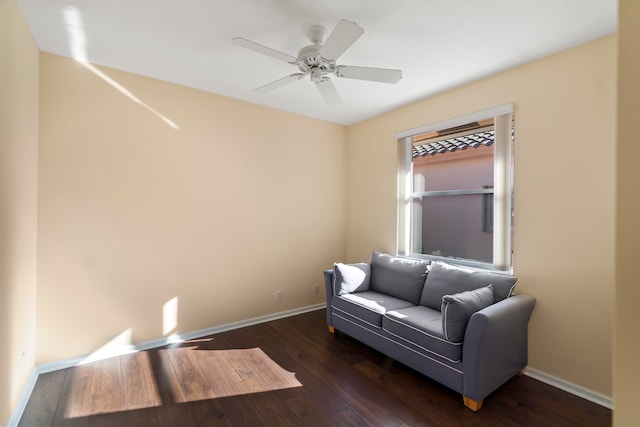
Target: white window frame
[503,184]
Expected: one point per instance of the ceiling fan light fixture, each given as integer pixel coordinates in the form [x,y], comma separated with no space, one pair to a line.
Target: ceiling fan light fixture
[316,74]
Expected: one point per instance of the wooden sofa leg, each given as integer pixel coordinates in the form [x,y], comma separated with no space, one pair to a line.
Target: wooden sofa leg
[332,329]
[472,404]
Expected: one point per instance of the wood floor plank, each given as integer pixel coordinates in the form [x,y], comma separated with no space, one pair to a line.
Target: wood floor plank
[270,410]
[208,413]
[75,398]
[138,382]
[193,384]
[171,413]
[349,418]
[79,398]
[249,377]
[316,399]
[168,384]
[222,385]
[379,411]
[42,406]
[106,387]
[258,371]
[292,356]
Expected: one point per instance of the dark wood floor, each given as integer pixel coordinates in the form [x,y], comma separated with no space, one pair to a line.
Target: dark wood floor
[246,377]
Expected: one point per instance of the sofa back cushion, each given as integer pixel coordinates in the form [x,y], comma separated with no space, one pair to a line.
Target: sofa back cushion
[348,278]
[446,279]
[398,277]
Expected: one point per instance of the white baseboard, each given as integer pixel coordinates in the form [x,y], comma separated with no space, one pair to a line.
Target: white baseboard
[585,393]
[24,398]
[147,345]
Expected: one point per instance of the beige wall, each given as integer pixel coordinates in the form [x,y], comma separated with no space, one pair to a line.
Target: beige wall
[236,202]
[626,376]
[564,197]
[234,205]
[18,198]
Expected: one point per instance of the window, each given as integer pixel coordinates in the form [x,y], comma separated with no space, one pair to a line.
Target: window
[456,190]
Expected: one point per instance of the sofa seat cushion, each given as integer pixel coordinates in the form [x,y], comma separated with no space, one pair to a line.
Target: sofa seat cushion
[399,277]
[423,327]
[446,279]
[368,306]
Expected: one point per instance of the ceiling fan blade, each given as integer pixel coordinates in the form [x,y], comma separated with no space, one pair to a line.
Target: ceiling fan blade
[256,47]
[383,75]
[328,92]
[279,83]
[340,39]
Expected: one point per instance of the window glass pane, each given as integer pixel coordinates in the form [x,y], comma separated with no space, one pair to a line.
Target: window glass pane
[453,226]
[459,170]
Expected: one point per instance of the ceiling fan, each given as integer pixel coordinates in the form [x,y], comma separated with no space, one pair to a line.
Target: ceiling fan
[318,60]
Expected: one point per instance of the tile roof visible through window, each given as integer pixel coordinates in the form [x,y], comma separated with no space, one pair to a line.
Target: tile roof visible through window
[452,144]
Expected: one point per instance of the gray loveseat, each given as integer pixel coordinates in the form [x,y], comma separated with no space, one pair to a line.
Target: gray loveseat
[460,326]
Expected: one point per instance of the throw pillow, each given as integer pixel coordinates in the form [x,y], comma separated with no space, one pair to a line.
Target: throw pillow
[398,277]
[457,310]
[447,279]
[348,278]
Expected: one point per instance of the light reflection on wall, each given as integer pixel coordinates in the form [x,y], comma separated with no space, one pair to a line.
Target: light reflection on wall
[170,316]
[78,48]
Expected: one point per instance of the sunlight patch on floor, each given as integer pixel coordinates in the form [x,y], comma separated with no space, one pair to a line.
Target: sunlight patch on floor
[191,373]
[210,374]
[117,384]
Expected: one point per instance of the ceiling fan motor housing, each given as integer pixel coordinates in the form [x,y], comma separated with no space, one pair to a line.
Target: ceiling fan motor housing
[311,62]
[317,34]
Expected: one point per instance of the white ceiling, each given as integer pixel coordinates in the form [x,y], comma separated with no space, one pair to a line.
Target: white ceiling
[439,44]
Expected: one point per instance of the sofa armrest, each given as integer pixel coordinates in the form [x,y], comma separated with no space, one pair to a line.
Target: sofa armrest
[328,285]
[495,345]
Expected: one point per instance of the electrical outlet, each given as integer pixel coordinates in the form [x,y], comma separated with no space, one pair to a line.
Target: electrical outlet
[279,295]
[316,289]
